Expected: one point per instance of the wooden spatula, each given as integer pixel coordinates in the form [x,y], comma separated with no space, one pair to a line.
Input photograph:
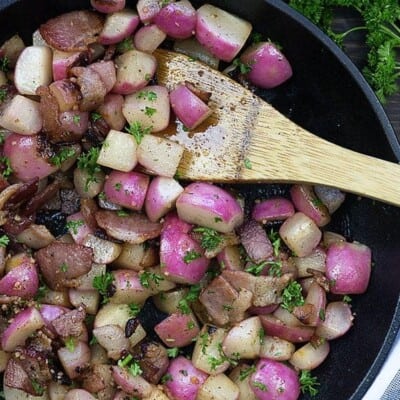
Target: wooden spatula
[247,140]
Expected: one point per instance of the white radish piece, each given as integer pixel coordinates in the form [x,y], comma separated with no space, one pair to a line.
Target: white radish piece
[78,394]
[108,6]
[57,391]
[348,267]
[21,115]
[149,107]
[333,198]
[148,38]
[230,258]
[239,376]
[33,69]
[11,49]
[118,26]
[24,324]
[338,319]
[112,338]
[218,387]
[244,339]
[111,111]
[88,185]
[147,10]
[310,355]
[74,359]
[315,261]
[268,66]
[159,155]
[134,71]
[113,314]
[301,234]
[104,251]
[17,394]
[276,348]
[89,298]
[220,32]
[118,151]
[177,19]
[131,384]
[35,236]
[210,206]
[161,197]
[188,107]
[131,257]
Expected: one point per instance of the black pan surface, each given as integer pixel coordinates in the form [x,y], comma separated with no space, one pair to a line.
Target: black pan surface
[329,97]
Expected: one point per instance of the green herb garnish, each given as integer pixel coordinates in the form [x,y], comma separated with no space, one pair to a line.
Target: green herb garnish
[62,156]
[146,276]
[190,256]
[191,297]
[292,296]
[245,372]
[138,131]
[210,238]
[308,383]
[102,283]
[73,225]
[4,240]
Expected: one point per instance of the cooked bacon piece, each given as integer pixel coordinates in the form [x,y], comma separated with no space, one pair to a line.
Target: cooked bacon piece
[134,228]
[70,323]
[60,263]
[72,31]
[16,377]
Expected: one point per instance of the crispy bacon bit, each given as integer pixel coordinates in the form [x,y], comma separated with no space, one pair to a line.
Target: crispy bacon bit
[72,31]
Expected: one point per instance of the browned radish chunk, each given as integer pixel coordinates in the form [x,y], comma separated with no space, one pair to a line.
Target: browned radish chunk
[108,6]
[268,66]
[111,111]
[112,338]
[63,61]
[276,348]
[310,355]
[106,70]
[134,385]
[148,38]
[331,197]
[66,93]
[134,70]
[118,26]
[230,258]
[11,49]
[147,10]
[76,361]
[222,33]
[218,387]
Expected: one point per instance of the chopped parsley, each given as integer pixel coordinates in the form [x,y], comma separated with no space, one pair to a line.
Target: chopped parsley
[147,95]
[190,325]
[256,37]
[118,186]
[4,64]
[102,283]
[292,296]
[321,314]
[210,238]
[76,118]
[131,365]
[73,225]
[138,131]
[191,296]
[149,111]
[256,269]
[37,387]
[70,343]
[88,162]
[276,242]
[4,240]
[190,256]
[173,352]
[64,267]
[3,95]
[260,385]
[122,213]
[245,372]
[346,299]
[125,45]
[308,383]
[247,163]
[243,67]
[146,276]
[7,171]
[95,116]
[166,378]
[134,309]
[275,268]
[204,341]
[261,335]
[63,155]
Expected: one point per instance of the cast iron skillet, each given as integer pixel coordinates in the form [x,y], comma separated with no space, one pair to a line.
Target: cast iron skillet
[328,96]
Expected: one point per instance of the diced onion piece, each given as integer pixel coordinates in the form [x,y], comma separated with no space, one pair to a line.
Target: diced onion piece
[33,69]
[218,387]
[118,151]
[310,355]
[159,155]
[301,234]
[222,33]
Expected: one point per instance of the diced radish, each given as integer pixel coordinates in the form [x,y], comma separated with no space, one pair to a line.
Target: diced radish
[175,245]
[118,151]
[26,162]
[113,314]
[112,338]
[218,387]
[111,111]
[268,66]
[230,258]
[316,296]
[208,205]
[301,234]
[310,355]
[90,299]
[118,26]
[189,108]
[24,324]
[186,379]
[177,330]
[275,209]
[127,189]
[134,70]
[338,319]
[108,6]
[243,339]
[33,69]
[276,348]
[222,33]
[239,376]
[273,377]
[74,360]
[348,267]
[62,61]
[161,197]
[21,281]
[333,198]
[148,38]
[148,9]
[79,394]
[148,107]
[135,385]
[88,185]
[177,20]
[104,251]
[305,200]
[66,93]
[22,115]
[314,261]
[159,155]
[107,72]
[12,48]
[79,228]
[75,122]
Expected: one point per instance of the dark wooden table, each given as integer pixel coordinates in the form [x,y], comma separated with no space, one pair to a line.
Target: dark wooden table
[354,47]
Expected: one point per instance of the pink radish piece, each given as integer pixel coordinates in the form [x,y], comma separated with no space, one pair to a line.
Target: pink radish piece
[111,111]
[189,108]
[274,380]
[220,32]
[107,72]
[63,61]
[26,162]
[127,189]
[76,122]
[49,313]
[80,229]
[186,379]
[148,9]
[275,209]
[348,267]
[208,205]
[269,67]
[161,197]
[118,26]
[128,288]
[130,384]
[177,20]
[24,324]
[108,6]
[148,38]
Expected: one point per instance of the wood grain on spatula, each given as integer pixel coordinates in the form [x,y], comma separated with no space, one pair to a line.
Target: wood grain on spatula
[247,140]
